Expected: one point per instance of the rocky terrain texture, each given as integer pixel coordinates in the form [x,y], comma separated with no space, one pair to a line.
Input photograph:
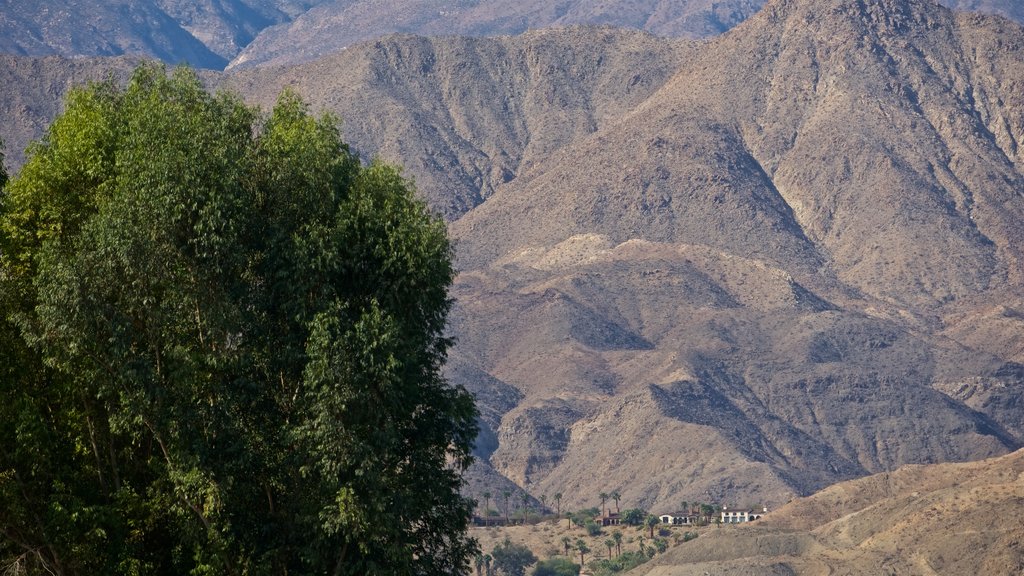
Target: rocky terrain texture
[738,270]
[215,33]
[337,24]
[944,519]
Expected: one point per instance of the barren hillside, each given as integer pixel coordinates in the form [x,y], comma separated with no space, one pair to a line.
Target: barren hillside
[940,519]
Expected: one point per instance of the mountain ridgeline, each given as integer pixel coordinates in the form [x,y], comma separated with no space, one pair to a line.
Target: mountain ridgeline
[244,33]
[735,270]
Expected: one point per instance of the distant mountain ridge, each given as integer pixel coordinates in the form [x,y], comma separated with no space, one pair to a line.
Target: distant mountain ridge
[242,33]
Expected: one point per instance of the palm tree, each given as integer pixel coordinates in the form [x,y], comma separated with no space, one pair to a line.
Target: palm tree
[526,507]
[479,562]
[582,547]
[506,494]
[543,504]
[558,503]
[640,538]
[567,542]
[487,505]
[604,498]
[616,496]
[487,564]
[610,544]
[685,507]
[652,521]
[617,536]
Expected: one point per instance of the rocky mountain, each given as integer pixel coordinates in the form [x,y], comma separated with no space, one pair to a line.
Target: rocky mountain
[737,270]
[337,24]
[756,281]
[945,519]
[205,34]
[212,33]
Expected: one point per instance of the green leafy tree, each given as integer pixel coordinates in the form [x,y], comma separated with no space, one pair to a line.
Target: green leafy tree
[634,516]
[512,559]
[708,511]
[556,567]
[222,339]
[661,544]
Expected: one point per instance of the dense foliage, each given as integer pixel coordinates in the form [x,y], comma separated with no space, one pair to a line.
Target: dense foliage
[512,559]
[556,567]
[221,345]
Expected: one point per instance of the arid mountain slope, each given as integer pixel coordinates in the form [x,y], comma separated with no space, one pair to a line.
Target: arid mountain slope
[756,279]
[940,519]
[465,115]
[336,25]
[32,92]
[210,33]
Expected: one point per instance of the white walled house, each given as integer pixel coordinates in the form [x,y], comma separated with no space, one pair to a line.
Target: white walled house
[679,519]
[738,516]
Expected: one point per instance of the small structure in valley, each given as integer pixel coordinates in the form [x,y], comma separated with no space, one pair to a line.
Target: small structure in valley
[611,519]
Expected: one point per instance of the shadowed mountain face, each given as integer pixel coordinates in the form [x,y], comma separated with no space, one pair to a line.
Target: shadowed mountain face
[731,271]
[204,33]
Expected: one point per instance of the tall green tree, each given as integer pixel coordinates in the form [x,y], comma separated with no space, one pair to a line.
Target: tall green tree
[222,342]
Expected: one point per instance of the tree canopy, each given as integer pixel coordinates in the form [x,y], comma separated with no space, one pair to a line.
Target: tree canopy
[220,348]
[512,559]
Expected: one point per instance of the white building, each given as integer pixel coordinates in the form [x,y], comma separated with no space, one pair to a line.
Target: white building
[738,516]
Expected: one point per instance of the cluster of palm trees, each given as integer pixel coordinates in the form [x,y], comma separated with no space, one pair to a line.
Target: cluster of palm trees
[525,498]
[604,496]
